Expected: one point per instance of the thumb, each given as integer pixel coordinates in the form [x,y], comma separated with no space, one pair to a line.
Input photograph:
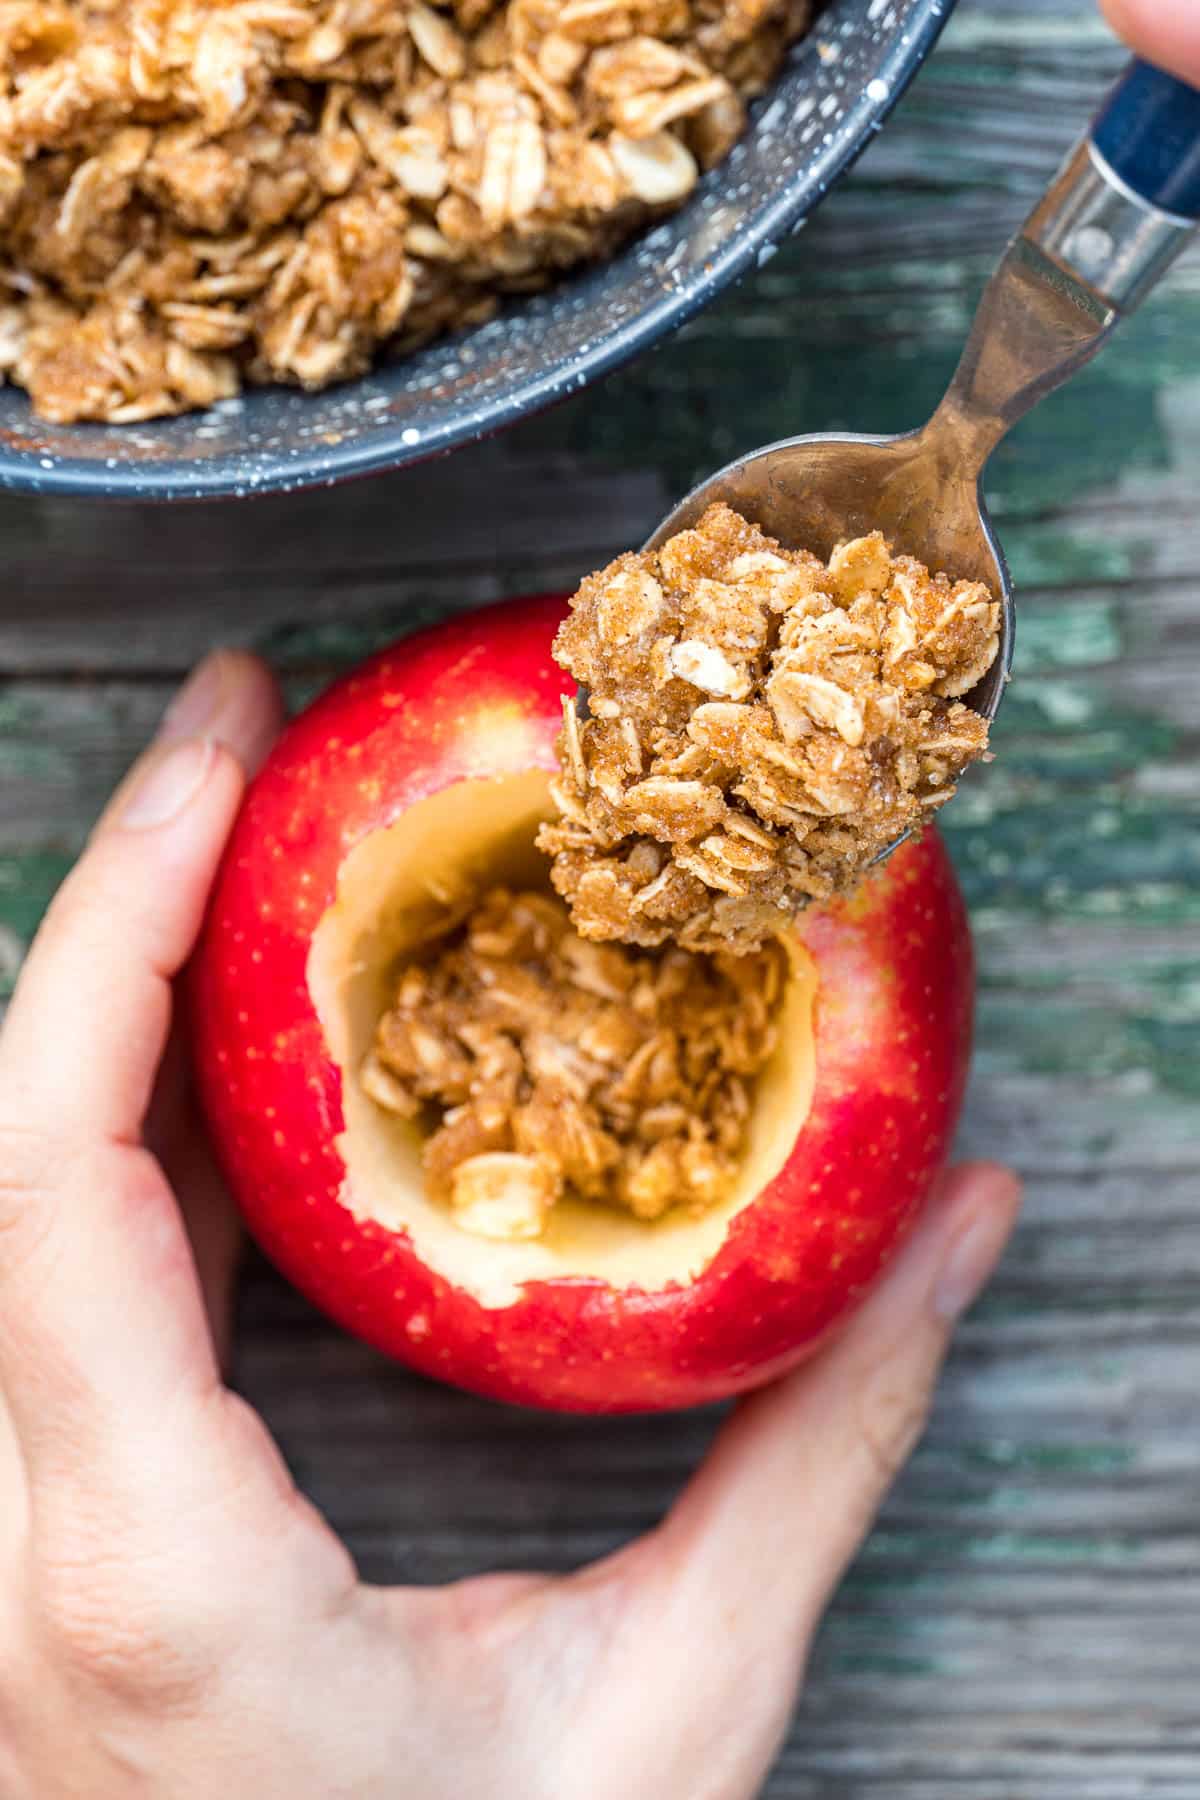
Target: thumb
[768,1525]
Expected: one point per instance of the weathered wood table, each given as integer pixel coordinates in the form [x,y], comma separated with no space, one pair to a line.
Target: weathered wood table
[1025,1622]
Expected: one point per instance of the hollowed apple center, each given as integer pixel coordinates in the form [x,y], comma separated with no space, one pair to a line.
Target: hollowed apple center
[391,893]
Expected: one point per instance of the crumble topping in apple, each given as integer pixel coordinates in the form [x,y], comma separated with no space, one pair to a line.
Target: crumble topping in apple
[763,725]
[556,1064]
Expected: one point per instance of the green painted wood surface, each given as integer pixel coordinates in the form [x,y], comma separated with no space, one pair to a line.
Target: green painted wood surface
[1025,1622]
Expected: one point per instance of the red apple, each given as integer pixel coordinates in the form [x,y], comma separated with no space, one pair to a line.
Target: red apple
[432,760]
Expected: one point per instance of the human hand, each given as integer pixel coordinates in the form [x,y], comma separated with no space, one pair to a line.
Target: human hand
[176,1621]
[1165,32]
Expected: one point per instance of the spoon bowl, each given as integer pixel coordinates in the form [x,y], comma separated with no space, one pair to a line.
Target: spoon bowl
[816,491]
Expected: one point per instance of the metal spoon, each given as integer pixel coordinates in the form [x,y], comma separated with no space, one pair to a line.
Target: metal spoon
[1122,208]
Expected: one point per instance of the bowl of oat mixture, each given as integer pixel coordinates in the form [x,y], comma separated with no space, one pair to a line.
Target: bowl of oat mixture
[249,245]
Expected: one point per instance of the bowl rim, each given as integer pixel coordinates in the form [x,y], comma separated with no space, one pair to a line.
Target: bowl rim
[174,479]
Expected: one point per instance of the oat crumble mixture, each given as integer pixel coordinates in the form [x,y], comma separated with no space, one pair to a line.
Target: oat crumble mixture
[195,194]
[559,1064]
[762,724]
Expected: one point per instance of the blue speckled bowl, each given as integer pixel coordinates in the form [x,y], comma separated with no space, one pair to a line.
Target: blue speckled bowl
[835,92]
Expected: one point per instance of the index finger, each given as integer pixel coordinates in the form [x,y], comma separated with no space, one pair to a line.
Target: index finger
[101,1321]
[1165,32]
[100,1314]
[87,1025]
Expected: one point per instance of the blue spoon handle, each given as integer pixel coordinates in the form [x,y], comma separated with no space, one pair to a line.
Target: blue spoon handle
[1111,223]
[1148,133]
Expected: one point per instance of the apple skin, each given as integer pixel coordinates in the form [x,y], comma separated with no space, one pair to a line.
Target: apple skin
[481,695]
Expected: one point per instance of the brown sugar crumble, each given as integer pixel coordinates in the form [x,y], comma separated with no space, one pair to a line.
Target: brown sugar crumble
[195,194]
[555,1065]
[762,725]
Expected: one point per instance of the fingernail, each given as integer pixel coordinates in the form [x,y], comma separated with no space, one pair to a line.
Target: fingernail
[196,706]
[972,1256]
[172,777]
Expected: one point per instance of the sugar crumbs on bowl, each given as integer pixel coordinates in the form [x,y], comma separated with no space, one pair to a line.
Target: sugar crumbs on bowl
[197,194]
[549,1065]
[763,724]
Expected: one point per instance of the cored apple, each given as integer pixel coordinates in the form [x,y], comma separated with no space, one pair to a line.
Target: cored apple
[431,763]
